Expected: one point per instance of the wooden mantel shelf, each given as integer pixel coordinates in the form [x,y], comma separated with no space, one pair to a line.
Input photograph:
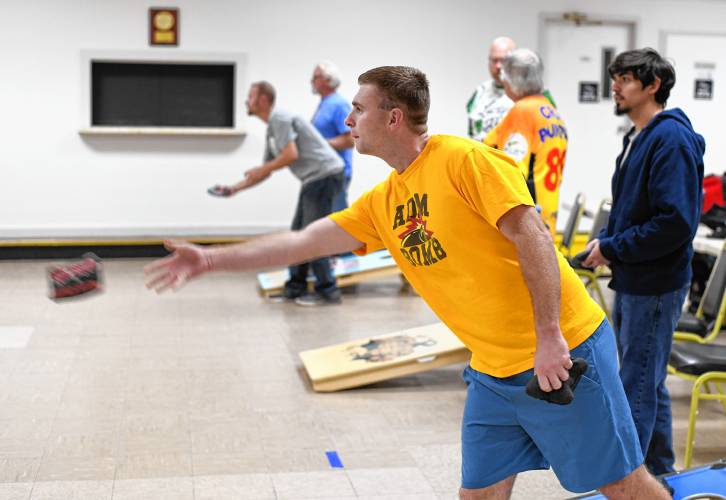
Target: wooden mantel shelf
[155,131]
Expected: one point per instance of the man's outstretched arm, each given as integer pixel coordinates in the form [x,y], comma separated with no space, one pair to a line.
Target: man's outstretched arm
[322,237]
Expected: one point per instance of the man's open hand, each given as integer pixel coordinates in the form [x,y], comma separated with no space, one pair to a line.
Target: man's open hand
[186,262]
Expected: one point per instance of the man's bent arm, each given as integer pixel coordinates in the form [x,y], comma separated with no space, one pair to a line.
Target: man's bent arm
[342,141]
[538,262]
[258,174]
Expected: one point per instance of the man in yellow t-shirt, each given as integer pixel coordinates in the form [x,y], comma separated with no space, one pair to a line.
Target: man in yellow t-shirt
[459,221]
[532,132]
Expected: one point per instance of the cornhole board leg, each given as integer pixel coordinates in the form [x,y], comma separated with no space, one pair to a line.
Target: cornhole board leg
[373,359]
[348,271]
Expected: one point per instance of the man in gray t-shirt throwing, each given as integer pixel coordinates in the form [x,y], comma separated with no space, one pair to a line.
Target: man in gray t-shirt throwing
[293,141]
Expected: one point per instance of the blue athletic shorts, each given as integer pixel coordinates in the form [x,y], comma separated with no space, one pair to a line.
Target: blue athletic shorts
[589,443]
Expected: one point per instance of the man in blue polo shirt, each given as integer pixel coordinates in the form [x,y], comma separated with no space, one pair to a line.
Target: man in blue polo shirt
[329,119]
[648,240]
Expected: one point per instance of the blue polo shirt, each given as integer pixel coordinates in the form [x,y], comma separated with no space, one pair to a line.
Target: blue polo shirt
[329,119]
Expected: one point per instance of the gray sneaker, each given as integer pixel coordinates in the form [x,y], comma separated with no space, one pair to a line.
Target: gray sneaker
[319,299]
[286,295]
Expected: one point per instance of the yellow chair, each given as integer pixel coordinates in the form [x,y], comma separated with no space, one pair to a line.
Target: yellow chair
[706,324]
[702,364]
[591,277]
[573,222]
[693,357]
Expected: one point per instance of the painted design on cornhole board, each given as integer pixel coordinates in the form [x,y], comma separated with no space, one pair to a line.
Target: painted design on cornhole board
[373,359]
[389,348]
[348,271]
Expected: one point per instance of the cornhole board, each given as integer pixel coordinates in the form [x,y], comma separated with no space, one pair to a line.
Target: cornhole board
[704,481]
[372,359]
[348,271]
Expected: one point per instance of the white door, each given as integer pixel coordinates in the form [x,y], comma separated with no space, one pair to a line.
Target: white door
[700,59]
[575,58]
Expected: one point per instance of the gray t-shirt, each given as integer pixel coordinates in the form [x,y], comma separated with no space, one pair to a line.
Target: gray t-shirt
[631,138]
[316,158]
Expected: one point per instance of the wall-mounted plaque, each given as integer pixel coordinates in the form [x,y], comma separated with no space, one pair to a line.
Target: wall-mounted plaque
[703,89]
[163,26]
[588,92]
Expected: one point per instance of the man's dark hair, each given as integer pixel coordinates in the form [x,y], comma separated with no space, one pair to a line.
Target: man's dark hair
[265,88]
[646,65]
[404,88]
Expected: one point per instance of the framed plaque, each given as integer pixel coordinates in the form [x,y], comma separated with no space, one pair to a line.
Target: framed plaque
[163,26]
[703,89]
[589,92]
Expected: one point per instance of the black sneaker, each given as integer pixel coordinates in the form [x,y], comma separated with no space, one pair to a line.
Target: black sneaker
[320,299]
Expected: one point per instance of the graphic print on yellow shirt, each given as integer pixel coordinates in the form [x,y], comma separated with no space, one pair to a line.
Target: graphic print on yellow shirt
[534,135]
[439,221]
[418,244]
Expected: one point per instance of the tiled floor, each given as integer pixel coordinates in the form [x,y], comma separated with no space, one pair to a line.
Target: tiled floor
[200,395]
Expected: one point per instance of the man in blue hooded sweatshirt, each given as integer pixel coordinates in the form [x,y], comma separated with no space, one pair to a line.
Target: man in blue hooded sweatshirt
[648,240]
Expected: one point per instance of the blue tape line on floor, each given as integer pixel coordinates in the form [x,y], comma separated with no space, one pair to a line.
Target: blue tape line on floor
[334,459]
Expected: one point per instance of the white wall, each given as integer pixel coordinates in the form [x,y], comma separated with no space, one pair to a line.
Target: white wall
[56,183]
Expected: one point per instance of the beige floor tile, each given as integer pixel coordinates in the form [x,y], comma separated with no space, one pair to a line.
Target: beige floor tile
[99,381]
[18,470]
[154,465]
[217,406]
[415,496]
[377,458]
[440,465]
[15,491]
[208,362]
[389,481]
[58,338]
[45,361]
[172,488]
[293,430]
[293,459]
[74,438]
[72,490]
[252,460]
[156,434]
[381,437]
[234,487]
[223,436]
[215,380]
[84,406]
[15,337]
[38,386]
[156,358]
[303,485]
[67,469]
[539,484]
[24,437]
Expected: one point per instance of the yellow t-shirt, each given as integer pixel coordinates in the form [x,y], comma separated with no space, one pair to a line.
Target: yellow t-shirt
[439,221]
[534,134]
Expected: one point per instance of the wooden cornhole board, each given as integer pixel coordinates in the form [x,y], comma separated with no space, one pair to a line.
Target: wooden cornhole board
[348,271]
[372,359]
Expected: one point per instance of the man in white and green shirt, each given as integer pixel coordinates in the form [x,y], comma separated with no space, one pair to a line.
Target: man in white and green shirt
[489,104]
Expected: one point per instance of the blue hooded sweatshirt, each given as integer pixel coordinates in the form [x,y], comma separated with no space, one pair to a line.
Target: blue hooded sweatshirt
[657,198]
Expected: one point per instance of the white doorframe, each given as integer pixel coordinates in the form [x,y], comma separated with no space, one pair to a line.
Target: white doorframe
[663,36]
[571,17]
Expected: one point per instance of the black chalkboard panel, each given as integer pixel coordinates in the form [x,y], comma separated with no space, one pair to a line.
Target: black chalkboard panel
[162,95]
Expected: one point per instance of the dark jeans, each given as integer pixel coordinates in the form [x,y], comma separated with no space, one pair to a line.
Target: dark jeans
[315,202]
[644,326]
[340,202]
